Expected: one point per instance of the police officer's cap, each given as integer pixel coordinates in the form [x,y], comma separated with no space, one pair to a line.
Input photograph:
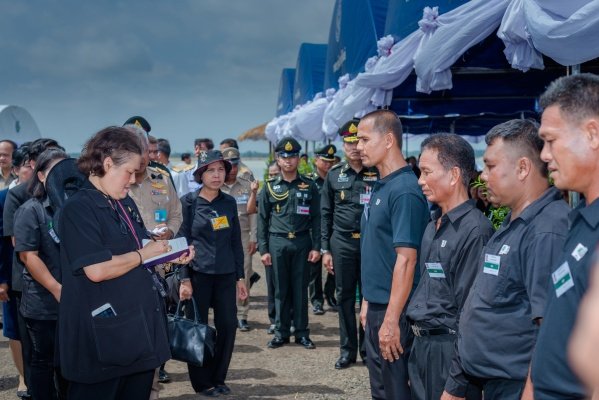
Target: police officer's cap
[288,147]
[140,122]
[231,154]
[326,153]
[210,157]
[349,131]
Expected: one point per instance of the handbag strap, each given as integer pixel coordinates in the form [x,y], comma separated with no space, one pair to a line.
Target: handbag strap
[196,311]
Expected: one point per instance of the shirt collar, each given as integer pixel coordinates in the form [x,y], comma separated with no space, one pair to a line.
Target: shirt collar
[393,174]
[534,208]
[458,212]
[589,213]
[97,197]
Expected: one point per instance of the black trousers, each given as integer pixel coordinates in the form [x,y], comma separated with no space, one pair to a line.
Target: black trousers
[270,291]
[129,387]
[290,265]
[498,389]
[45,380]
[218,292]
[388,380]
[346,263]
[315,290]
[428,367]
[25,341]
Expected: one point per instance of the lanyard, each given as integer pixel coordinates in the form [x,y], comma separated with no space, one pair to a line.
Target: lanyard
[125,217]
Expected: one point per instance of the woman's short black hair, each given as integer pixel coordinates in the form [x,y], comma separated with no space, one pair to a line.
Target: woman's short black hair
[43,163]
[114,142]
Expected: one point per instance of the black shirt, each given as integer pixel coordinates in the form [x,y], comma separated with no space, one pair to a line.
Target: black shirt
[497,329]
[551,372]
[14,199]
[213,229]
[34,232]
[288,207]
[343,196]
[97,349]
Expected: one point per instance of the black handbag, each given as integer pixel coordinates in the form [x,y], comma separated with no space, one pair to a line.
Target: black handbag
[191,341]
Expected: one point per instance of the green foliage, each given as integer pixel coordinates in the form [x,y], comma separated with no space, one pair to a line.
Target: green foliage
[496,214]
[306,168]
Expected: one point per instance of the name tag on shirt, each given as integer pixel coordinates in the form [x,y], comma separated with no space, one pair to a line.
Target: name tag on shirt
[364,198]
[492,263]
[579,252]
[160,215]
[303,210]
[219,223]
[342,178]
[243,199]
[562,279]
[435,270]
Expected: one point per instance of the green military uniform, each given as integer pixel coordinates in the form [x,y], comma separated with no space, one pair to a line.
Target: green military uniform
[315,290]
[288,229]
[343,196]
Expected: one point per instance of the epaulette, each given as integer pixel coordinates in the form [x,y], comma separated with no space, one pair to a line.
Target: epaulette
[156,167]
[338,165]
[183,168]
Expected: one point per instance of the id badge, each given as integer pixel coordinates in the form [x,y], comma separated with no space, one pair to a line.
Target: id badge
[492,263]
[160,215]
[435,270]
[364,198]
[243,199]
[219,223]
[562,279]
[303,210]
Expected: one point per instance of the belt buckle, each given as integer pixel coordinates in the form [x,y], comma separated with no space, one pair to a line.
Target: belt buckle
[291,235]
[355,235]
[416,330]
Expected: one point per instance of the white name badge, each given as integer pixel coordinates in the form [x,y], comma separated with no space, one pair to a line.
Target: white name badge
[365,198]
[243,199]
[492,263]
[303,210]
[562,279]
[579,252]
[435,270]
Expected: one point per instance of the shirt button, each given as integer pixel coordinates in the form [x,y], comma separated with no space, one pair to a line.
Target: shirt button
[157,309]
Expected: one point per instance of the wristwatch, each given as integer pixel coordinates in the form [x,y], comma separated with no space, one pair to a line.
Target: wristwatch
[323,251]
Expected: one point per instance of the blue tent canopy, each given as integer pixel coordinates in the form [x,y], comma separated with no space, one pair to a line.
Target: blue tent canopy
[355,29]
[403,16]
[309,76]
[285,99]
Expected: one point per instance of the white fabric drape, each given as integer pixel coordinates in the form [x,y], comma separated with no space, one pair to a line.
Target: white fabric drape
[559,29]
[458,30]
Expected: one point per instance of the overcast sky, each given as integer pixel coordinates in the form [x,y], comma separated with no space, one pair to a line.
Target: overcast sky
[193,68]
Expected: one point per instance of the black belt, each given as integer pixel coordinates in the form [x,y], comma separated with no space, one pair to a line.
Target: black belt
[352,235]
[420,332]
[290,235]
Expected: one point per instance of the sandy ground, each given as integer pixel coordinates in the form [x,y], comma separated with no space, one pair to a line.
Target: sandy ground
[256,372]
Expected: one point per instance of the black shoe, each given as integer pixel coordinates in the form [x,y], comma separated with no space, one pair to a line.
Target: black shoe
[23,394]
[254,278]
[331,302]
[243,325]
[277,342]
[271,329]
[317,310]
[344,362]
[306,342]
[163,376]
[223,389]
[212,392]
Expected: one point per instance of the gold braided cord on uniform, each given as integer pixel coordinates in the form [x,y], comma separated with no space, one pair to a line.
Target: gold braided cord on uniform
[277,197]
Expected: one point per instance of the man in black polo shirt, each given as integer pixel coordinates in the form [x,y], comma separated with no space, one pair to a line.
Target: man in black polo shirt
[499,322]
[451,248]
[570,129]
[392,226]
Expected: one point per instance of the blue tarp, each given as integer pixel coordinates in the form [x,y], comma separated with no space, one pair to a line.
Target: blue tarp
[355,29]
[403,15]
[309,75]
[285,99]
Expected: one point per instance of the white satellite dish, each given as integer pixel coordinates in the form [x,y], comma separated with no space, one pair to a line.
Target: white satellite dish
[17,125]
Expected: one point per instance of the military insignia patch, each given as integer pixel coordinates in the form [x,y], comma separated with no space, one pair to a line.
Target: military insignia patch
[353,129]
[288,146]
[303,186]
[331,151]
